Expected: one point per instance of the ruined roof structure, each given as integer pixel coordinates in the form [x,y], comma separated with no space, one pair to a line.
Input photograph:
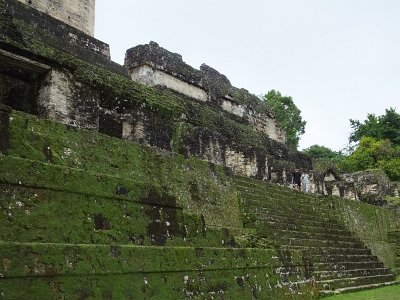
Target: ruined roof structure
[156,180]
[152,65]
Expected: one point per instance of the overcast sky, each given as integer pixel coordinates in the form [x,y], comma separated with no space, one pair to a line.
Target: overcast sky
[338,59]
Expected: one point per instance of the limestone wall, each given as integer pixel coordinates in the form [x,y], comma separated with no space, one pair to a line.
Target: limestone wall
[62,98]
[150,76]
[84,211]
[152,65]
[39,31]
[371,224]
[79,14]
[73,82]
[370,186]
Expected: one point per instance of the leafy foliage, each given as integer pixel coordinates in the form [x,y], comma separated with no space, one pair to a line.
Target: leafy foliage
[373,153]
[391,168]
[367,155]
[378,145]
[324,159]
[321,152]
[382,127]
[288,116]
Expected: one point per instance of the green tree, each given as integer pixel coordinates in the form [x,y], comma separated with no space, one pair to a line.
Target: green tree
[391,168]
[287,115]
[370,153]
[321,152]
[382,127]
[324,159]
[379,144]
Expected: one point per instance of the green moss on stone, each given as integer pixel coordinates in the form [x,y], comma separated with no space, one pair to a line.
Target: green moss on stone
[371,224]
[135,271]
[77,152]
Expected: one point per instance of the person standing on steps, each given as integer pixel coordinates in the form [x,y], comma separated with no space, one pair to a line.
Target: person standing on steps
[296,179]
[305,181]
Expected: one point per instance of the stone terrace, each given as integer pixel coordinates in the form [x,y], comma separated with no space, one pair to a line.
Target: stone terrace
[82,210]
[86,215]
[110,188]
[336,260]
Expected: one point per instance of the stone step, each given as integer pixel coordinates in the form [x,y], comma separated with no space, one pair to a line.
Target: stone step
[246,182]
[280,204]
[326,275]
[341,266]
[267,188]
[268,202]
[255,185]
[317,242]
[264,211]
[276,216]
[289,196]
[38,267]
[357,288]
[46,215]
[306,228]
[335,258]
[267,231]
[334,284]
[287,209]
[83,258]
[327,250]
[251,182]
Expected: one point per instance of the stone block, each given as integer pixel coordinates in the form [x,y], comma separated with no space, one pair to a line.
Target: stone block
[79,14]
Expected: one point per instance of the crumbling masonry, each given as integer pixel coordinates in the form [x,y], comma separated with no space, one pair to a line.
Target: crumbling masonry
[154,180]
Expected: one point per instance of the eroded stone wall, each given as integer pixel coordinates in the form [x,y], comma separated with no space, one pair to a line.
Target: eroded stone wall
[64,99]
[76,84]
[79,14]
[152,77]
[85,211]
[152,65]
[370,186]
[371,224]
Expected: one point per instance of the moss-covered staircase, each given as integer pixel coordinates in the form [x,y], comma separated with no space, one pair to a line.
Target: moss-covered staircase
[87,216]
[337,260]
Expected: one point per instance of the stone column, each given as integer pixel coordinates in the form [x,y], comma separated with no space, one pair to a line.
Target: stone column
[5,112]
[3,88]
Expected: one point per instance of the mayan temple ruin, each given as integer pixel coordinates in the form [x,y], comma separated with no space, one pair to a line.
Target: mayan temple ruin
[158,180]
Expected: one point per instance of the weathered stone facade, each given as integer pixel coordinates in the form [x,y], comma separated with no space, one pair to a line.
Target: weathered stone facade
[103,194]
[207,118]
[155,66]
[77,13]
[207,124]
[208,90]
[370,186]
